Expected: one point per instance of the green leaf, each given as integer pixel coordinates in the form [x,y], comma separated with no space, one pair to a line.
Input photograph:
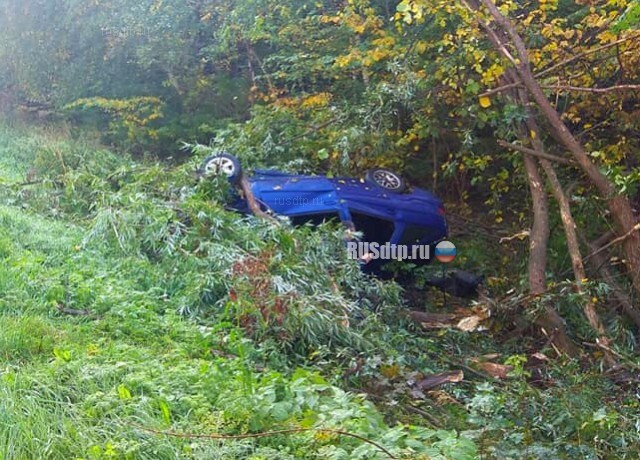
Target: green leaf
[323,154]
[124,393]
[630,19]
[166,412]
[63,355]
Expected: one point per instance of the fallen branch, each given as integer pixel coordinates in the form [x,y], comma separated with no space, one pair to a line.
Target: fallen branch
[73,312]
[252,202]
[514,301]
[520,235]
[550,341]
[430,382]
[629,362]
[535,153]
[265,434]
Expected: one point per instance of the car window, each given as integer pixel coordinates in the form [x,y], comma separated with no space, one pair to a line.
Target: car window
[316,219]
[413,234]
[374,229]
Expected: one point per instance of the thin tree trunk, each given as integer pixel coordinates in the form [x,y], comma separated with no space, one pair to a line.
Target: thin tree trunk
[619,205]
[568,222]
[539,229]
[550,322]
[570,231]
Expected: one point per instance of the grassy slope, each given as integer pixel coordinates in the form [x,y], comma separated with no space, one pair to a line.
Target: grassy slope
[81,387]
[66,387]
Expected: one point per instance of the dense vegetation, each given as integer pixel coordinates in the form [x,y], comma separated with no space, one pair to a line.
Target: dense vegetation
[137,313]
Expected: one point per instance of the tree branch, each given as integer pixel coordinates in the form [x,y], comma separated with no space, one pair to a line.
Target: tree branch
[592,90]
[582,89]
[501,89]
[252,202]
[499,43]
[614,241]
[548,70]
[534,153]
[266,434]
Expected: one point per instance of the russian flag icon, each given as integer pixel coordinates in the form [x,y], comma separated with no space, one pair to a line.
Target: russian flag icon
[445,252]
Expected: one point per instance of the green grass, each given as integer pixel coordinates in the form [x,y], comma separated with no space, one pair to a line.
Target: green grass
[79,387]
[82,387]
[178,338]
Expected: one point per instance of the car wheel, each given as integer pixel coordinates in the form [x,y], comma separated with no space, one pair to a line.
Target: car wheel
[222,163]
[386,179]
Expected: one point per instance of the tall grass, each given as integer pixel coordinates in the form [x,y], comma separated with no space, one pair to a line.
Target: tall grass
[193,319]
[80,386]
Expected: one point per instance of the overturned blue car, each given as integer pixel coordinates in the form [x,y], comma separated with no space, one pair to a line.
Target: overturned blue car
[381,205]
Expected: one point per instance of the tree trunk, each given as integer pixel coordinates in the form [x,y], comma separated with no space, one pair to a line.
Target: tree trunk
[539,229]
[254,206]
[569,225]
[619,205]
[570,231]
[550,322]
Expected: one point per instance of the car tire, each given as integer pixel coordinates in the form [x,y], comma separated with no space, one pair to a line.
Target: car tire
[388,180]
[222,163]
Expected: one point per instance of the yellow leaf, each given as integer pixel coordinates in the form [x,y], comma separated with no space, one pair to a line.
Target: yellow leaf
[390,371]
[533,134]
[485,102]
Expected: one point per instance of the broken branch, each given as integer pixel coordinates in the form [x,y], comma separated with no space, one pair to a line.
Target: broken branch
[252,202]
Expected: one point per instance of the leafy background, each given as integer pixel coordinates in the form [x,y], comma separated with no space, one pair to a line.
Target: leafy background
[203,321]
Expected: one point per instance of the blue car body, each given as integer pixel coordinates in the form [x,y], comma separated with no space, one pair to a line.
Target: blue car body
[413,217]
